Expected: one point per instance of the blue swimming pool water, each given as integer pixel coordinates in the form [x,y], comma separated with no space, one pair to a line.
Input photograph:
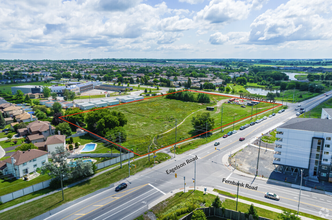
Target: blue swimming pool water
[89,147]
[31,112]
[74,163]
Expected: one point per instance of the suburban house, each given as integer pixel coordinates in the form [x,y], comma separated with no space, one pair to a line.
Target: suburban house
[23,162]
[37,131]
[305,143]
[25,117]
[9,120]
[51,143]
[13,110]
[326,113]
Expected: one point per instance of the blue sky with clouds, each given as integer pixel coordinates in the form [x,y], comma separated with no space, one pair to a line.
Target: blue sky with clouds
[58,29]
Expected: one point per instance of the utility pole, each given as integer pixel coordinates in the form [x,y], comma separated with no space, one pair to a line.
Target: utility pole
[129,164]
[259,151]
[149,153]
[298,205]
[205,131]
[195,177]
[233,121]
[293,94]
[120,150]
[176,126]
[256,112]
[63,198]
[237,193]
[222,112]
[184,184]
[252,108]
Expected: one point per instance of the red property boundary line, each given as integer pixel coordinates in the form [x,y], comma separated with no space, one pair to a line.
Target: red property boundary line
[62,118]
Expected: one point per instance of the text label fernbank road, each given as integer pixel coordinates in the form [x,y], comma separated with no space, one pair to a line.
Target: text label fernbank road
[240,184]
[181,165]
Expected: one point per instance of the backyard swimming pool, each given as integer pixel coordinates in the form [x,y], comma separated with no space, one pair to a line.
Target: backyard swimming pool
[89,147]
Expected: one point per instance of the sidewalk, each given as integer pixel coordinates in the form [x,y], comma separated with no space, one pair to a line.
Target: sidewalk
[210,191]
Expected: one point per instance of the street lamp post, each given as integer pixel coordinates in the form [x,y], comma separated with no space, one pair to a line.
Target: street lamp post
[63,198]
[298,205]
[259,151]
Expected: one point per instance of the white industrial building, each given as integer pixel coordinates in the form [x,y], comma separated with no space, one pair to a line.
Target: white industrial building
[97,104]
[305,143]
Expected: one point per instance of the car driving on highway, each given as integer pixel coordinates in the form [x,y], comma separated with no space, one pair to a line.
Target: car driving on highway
[241,139]
[272,196]
[216,143]
[121,186]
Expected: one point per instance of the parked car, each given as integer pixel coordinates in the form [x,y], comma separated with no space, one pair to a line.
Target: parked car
[234,132]
[252,123]
[264,118]
[298,113]
[296,109]
[299,105]
[225,136]
[273,114]
[270,116]
[279,111]
[216,143]
[121,186]
[4,130]
[242,127]
[301,108]
[247,125]
[272,196]
[282,110]
[241,139]
[229,133]
[258,121]
[242,106]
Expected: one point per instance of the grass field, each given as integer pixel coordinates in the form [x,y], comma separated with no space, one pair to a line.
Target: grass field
[301,77]
[40,206]
[101,147]
[151,123]
[317,111]
[5,144]
[7,87]
[254,85]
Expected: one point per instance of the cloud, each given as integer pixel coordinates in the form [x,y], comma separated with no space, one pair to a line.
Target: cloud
[176,47]
[297,20]
[168,38]
[192,1]
[218,38]
[175,24]
[117,5]
[50,28]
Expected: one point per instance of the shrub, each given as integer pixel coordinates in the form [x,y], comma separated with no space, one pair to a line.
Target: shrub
[77,145]
[71,140]
[71,147]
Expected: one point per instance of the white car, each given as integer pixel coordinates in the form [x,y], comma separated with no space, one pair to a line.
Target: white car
[298,113]
[265,118]
[299,105]
[272,196]
[270,116]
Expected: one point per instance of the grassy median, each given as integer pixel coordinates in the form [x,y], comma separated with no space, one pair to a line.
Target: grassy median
[40,206]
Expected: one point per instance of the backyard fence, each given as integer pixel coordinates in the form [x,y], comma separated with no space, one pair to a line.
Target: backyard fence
[114,161]
[25,191]
[45,184]
[222,213]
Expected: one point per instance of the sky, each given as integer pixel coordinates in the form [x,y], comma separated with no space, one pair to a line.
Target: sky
[170,29]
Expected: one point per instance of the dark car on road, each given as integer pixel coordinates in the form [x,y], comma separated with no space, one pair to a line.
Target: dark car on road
[272,196]
[225,136]
[121,186]
[241,139]
[230,133]
[252,123]
[216,143]
[273,114]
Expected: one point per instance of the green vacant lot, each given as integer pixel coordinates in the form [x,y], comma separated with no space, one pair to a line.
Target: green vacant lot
[152,122]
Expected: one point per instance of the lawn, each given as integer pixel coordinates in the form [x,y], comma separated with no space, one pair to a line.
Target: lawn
[101,147]
[237,88]
[40,206]
[270,139]
[3,134]
[301,77]
[6,143]
[299,96]
[254,85]
[7,87]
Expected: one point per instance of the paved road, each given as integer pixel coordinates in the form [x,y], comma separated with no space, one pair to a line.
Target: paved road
[152,183]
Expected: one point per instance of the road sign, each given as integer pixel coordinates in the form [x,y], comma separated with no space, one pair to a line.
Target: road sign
[154,156]
[176,175]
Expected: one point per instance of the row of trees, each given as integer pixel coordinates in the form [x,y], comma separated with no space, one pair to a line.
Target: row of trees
[188,96]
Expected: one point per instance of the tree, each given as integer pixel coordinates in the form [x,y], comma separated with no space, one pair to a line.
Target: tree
[198,215]
[9,136]
[56,120]
[56,107]
[71,147]
[227,89]
[25,147]
[216,203]
[188,83]
[241,80]
[19,94]
[202,122]
[46,92]
[283,86]
[252,211]
[75,119]
[54,95]
[286,215]
[270,96]
[36,102]
[27,98]
[64,129]
[40,115]
[66,94]
[59,168]
[2,121]
[81,169]
[19,126]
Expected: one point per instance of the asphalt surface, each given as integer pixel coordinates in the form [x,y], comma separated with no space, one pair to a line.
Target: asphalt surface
[153,183]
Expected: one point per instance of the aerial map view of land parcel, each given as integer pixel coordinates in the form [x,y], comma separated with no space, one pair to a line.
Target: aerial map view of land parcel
[165,110]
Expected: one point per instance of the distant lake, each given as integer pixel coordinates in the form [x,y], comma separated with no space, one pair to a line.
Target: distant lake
[260,91]
[292,75]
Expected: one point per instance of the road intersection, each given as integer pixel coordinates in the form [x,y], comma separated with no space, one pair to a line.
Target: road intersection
[211,168]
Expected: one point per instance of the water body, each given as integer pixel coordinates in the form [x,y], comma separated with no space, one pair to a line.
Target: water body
[260,91]
[292,75]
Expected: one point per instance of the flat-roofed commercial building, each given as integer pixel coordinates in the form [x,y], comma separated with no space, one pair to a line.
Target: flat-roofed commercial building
[27,89]
[305,143]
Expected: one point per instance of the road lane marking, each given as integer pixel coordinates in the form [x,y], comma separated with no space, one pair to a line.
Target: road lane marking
[229,175]
[123,204]
[98,205]
[133,212]
[132,190]
[79,214]
[157,189]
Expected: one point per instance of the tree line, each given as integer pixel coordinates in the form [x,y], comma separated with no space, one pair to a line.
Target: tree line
[188,96]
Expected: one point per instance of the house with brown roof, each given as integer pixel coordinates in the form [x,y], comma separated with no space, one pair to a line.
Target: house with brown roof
[11,110]
[55,141]
[9,120]
[37,131]
[23,162]
[25,117]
